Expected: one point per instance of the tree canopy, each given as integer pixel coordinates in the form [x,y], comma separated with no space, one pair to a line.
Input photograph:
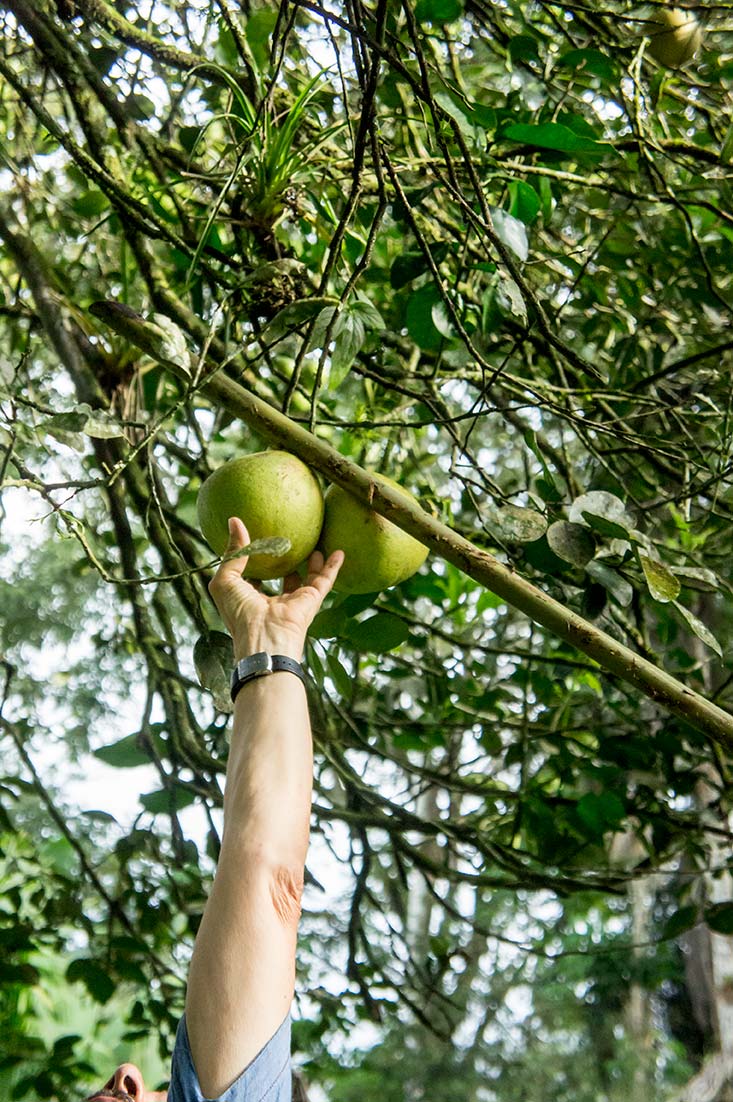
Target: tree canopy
[483,249]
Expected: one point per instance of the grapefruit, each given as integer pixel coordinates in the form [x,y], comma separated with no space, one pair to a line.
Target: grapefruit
[377,553]
[274,494]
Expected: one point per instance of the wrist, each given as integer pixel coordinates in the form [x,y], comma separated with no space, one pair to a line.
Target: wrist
[270,643]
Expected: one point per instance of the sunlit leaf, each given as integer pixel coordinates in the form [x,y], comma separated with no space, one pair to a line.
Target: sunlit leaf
[700,630]
[571,542]
[660,580]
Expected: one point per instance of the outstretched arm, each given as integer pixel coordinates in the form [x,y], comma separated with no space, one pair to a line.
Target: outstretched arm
[242,975]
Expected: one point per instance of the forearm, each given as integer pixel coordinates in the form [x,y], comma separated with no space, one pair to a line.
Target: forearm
[269,773]
[242,973]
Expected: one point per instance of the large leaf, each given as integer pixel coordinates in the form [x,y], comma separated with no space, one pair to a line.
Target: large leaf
[621,590]
[213,658]
[660,580]
[295,314]
[97,981]
[719,917]
[571,542]
[126,753]
[511,232]
[700,630]
[166,800]
[377,634]
[600,503]
[556,136]
[516,523]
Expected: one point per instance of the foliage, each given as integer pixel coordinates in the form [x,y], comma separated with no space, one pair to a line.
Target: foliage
[484,249]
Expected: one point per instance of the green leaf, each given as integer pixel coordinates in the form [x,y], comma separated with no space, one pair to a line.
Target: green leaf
[189,136]
[556,136]
[590,61]
[525,202]
[460,112]
[339,675]
[102,425]
[719,918]
[700,630]
[367,313]
[523,47]
[697,577]
[347,345]
[272,545]
[571,542]
[511,232]
[165,800]
[540,555]
[600,811]
[621,590]
[11,972]
[516,523]
[611,529]
[600,503]
[509,297]
[90,204]
[660,580]
[406,267]
[82,419]
[62,856]
[258,32]
[726,151]
[213,658]
[377,634]
[419,318]
[680,922]
[328,623]
[437,11]
[99,985]
[294,315]
[550,492]
[124,754]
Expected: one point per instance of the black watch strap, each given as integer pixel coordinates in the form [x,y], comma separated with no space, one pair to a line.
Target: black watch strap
[260,664]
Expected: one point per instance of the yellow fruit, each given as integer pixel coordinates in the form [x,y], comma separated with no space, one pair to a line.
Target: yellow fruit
[378,554]
[275,495]
[675,36]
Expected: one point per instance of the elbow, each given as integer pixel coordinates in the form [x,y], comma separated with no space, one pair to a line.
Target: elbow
[286,893]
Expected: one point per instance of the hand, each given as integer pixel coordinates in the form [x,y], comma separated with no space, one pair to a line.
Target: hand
[257,622]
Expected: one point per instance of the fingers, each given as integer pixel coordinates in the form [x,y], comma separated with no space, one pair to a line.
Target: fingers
[322,575]
[231,569]
[315,571]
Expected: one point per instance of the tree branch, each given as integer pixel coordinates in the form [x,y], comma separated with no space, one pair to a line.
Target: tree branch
[369,488]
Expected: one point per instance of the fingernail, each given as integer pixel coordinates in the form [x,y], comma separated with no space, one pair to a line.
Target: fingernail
[230,524]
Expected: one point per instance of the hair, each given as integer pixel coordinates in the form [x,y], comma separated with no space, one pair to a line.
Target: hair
[299,1092]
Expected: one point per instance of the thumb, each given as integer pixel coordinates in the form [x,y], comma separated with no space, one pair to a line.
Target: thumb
[238,538]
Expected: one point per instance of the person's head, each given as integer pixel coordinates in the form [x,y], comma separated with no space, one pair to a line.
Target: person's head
[126,1085]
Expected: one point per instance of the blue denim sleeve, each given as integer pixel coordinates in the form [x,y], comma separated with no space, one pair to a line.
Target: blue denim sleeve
[266,1079]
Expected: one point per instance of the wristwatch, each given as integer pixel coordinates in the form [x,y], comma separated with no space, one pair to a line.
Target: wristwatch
[257,665]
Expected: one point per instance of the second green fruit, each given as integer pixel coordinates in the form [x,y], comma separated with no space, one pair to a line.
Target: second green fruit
[378,554]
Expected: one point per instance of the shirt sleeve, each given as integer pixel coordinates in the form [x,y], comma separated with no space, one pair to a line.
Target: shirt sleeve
[266,1079]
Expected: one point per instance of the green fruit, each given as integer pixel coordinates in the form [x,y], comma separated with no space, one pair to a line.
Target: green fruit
[274,494]
[377,553]
[675,37]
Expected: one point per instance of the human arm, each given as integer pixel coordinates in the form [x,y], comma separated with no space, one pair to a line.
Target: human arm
[242,974]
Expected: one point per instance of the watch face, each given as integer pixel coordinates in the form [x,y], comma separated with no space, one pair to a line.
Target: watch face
[259,663]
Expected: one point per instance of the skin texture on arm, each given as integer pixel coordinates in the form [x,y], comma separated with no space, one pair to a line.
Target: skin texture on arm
[242,975]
